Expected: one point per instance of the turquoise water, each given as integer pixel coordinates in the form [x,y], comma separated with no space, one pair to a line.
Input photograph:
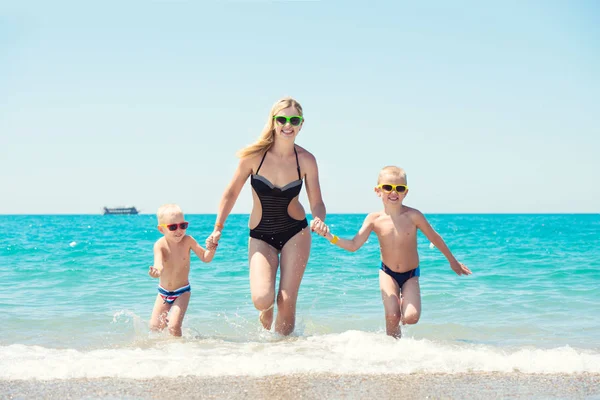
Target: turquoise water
[76,300]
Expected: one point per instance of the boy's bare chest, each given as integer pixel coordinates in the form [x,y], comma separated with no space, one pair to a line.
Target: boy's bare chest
[176,257]
[400,229]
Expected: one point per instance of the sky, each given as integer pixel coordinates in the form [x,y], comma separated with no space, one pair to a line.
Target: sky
[490,107]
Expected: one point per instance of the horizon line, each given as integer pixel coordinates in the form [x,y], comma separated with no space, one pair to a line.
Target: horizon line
[331,213]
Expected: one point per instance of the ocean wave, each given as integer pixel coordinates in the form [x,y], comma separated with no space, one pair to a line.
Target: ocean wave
[351,352]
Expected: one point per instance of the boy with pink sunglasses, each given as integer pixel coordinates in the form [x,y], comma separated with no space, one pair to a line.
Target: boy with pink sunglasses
[172,267]
[396,229]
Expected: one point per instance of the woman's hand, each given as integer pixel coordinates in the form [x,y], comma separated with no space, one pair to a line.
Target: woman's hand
[213,240]
[319,227]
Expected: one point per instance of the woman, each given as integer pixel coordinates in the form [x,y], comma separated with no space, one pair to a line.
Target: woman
[279,235]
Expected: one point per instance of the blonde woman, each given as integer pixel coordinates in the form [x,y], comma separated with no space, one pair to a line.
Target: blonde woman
[279,233]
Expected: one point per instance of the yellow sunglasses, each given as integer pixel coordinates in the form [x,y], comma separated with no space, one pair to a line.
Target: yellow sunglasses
[386,187]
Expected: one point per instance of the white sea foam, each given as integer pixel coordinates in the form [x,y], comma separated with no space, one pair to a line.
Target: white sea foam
[351,352]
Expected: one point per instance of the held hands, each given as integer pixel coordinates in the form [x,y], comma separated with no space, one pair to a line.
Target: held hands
[211,245]
[460,268]
[154,272]
[319,227]
[213,240]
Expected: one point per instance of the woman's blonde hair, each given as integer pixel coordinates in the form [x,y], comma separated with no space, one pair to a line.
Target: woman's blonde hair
[265,141]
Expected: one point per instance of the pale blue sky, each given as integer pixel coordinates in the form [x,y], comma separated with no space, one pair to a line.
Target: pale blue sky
[489,106]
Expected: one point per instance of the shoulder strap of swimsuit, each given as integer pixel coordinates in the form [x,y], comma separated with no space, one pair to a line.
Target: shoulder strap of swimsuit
[261,161]
[298,164]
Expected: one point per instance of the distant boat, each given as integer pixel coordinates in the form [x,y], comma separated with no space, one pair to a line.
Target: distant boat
[121,211]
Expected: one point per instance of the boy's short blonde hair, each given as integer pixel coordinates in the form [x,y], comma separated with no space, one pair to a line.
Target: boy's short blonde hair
[392,170]
[167,209]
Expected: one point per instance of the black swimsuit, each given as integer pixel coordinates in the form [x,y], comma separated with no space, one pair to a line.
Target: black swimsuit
[276,226]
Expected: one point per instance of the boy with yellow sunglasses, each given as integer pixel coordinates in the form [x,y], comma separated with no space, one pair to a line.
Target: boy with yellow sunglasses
[396,229]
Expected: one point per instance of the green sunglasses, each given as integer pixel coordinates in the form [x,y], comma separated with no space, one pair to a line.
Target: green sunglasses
[294,120]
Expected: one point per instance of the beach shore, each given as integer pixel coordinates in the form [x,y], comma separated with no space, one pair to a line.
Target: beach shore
[313,386]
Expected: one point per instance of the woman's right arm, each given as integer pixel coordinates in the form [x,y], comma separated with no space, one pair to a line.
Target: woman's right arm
[230,195]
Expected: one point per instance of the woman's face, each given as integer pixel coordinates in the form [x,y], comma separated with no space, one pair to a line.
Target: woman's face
[288,123]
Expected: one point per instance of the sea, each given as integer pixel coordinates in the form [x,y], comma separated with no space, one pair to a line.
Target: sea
[76,300]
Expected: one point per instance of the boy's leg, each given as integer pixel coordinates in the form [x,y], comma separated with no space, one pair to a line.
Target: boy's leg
[178,309]
[263,261]
[411,301]
[158,320]
[391,303]
[294,257]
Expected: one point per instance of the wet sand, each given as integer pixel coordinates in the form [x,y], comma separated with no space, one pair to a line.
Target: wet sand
[316,386]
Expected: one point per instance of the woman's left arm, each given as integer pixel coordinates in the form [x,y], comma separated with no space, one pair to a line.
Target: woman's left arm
[313,188]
